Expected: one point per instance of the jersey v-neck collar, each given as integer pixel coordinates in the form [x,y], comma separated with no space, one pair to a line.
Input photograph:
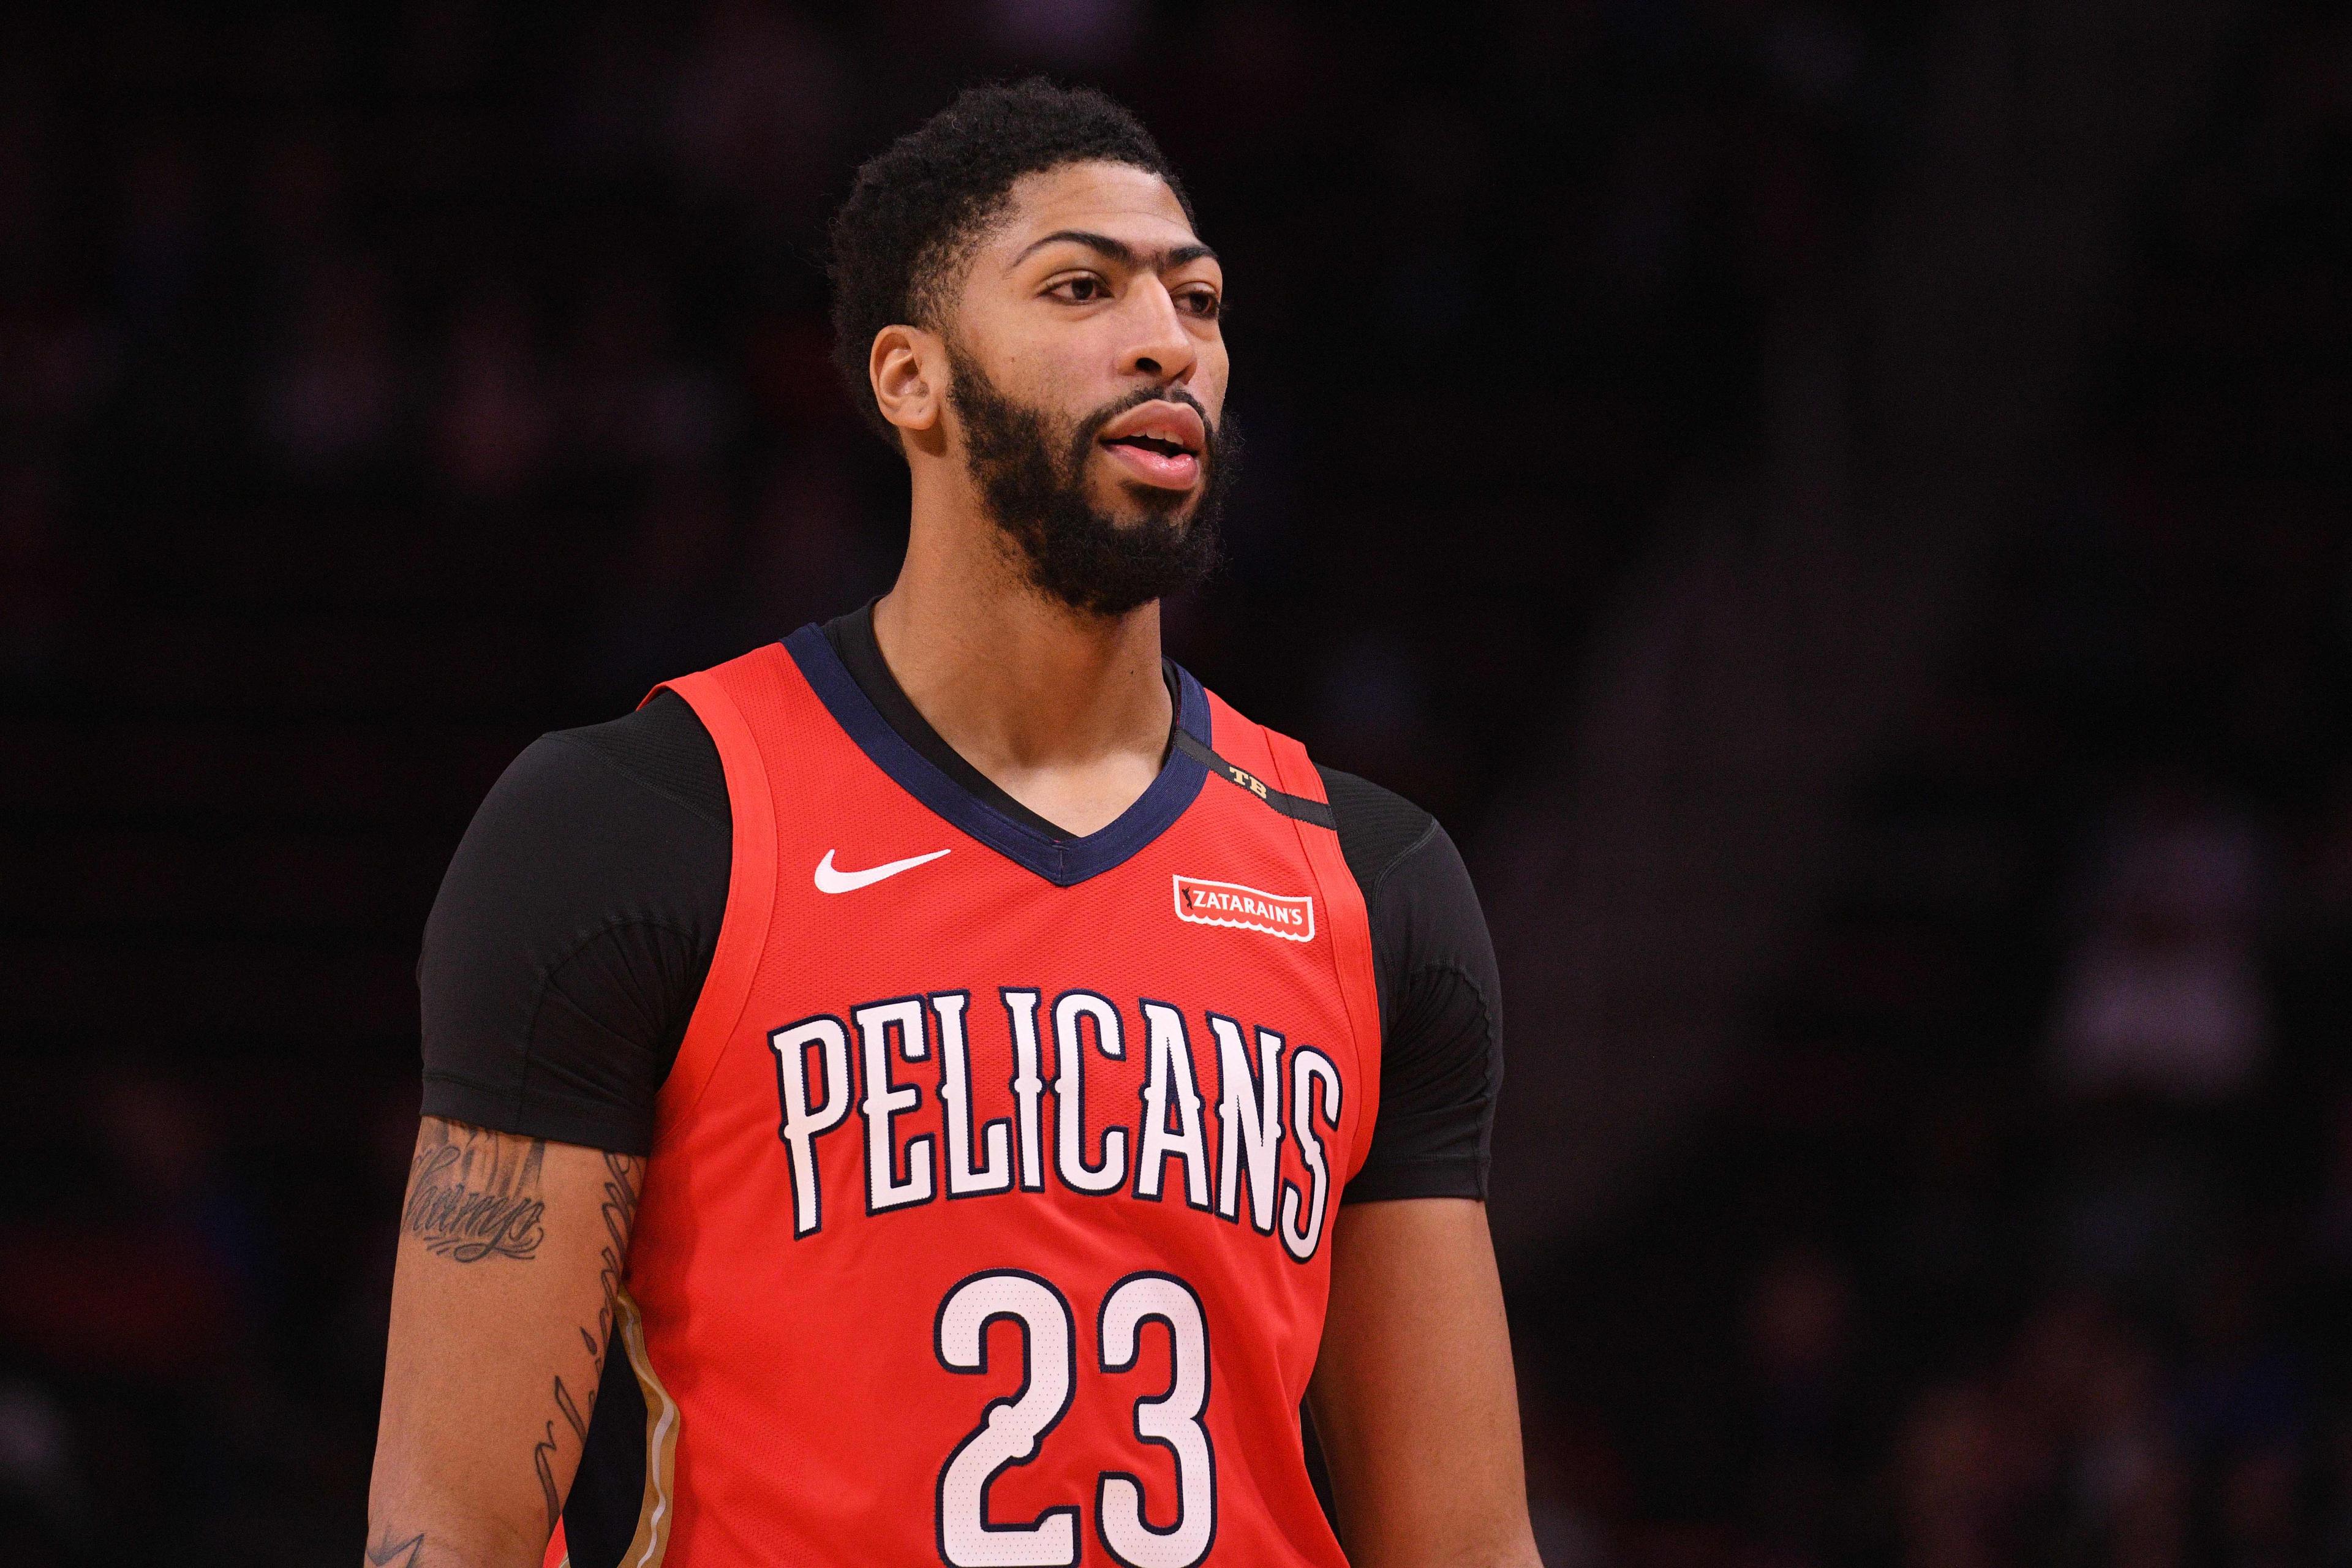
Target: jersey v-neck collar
[843,664]
[860,652]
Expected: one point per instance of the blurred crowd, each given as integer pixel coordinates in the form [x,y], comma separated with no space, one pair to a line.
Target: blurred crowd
[2021,1235]
[381,385]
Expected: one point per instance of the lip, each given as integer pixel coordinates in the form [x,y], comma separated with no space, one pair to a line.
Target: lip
[1175,423]
[1161,470]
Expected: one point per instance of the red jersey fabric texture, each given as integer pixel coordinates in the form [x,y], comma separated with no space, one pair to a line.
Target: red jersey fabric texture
[992,1225]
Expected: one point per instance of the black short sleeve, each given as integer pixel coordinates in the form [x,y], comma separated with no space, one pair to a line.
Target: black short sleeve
[573,931]
[1440,997]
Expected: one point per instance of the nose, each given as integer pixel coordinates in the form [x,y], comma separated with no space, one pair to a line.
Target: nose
[1158,346]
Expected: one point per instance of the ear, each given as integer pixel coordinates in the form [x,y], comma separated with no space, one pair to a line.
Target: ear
[909,370]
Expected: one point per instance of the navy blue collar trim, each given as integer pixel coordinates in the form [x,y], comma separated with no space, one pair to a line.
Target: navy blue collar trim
[1064,862]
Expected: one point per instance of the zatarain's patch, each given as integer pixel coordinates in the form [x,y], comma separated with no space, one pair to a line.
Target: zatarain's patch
[1246,909]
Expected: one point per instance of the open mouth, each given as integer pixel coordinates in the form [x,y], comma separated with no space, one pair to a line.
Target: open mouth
[1159,444]
[1162,444]
[1155,461]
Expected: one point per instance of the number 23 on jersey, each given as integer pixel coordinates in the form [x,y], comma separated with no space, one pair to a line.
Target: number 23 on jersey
[1013,1429]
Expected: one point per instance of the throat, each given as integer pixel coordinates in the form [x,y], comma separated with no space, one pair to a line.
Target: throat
[1070,724]
[1079,800]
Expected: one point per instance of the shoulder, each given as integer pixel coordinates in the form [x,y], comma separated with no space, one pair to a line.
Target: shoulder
[1424,911]
[581,816]
[1380,832]
[662,749]
[1378,828]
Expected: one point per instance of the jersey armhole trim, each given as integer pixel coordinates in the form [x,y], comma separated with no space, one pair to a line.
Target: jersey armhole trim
[1352,935]
[751,898]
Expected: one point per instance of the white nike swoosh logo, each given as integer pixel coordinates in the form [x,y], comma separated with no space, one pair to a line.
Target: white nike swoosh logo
[829,880]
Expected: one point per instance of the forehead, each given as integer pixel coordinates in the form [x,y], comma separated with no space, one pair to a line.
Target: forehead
[1114,199]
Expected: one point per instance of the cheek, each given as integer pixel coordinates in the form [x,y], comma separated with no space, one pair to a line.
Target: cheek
[1209,378]
[1054,381]
[1070,353]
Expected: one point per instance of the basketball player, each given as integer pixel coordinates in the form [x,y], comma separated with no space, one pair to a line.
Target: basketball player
[943,1086]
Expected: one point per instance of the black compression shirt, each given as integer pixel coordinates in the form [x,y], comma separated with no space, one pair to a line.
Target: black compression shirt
[578,919]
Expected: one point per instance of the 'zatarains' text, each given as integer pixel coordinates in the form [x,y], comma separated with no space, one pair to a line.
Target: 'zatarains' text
[1262,1095]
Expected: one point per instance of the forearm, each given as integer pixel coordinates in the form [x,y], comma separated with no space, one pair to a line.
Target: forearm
[512,1252]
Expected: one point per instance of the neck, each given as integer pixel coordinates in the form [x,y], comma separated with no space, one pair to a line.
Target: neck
[1066,711]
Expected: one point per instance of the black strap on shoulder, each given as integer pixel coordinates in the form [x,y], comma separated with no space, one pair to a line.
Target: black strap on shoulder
[1292,805]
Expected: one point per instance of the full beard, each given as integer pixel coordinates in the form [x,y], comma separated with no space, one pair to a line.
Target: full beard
[1033,485]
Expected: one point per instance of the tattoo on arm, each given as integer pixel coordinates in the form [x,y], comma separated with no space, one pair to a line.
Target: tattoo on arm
[391,1553]
[475,1194]
[623,1180]
[542,1453]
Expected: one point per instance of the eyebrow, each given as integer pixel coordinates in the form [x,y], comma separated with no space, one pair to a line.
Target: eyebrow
[1119,250]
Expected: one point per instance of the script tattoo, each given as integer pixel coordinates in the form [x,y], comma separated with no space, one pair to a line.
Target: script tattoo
[624,1177]
[394,1554]
[543,1453]
[474,1193]
[623,1180]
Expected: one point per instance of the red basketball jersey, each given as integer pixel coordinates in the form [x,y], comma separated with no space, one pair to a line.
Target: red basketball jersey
[988,1218]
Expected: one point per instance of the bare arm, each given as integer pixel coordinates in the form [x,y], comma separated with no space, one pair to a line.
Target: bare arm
[1413,1396]
[511,1250]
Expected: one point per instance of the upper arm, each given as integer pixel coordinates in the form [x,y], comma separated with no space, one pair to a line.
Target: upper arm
[1413,1397]
[1441,1029]
[1440,998]
[573,931]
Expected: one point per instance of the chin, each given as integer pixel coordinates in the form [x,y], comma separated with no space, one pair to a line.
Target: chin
[1137,504]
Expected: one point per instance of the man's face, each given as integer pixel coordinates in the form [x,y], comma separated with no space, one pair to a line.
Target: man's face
[1088,378]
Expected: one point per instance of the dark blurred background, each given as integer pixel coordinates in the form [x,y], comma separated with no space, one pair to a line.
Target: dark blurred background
[1840,507]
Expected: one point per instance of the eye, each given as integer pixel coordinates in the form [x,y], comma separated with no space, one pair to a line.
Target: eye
[1082,290]
[1202,302]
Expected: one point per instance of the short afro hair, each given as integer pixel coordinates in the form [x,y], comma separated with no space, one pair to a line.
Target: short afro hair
[917,207]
